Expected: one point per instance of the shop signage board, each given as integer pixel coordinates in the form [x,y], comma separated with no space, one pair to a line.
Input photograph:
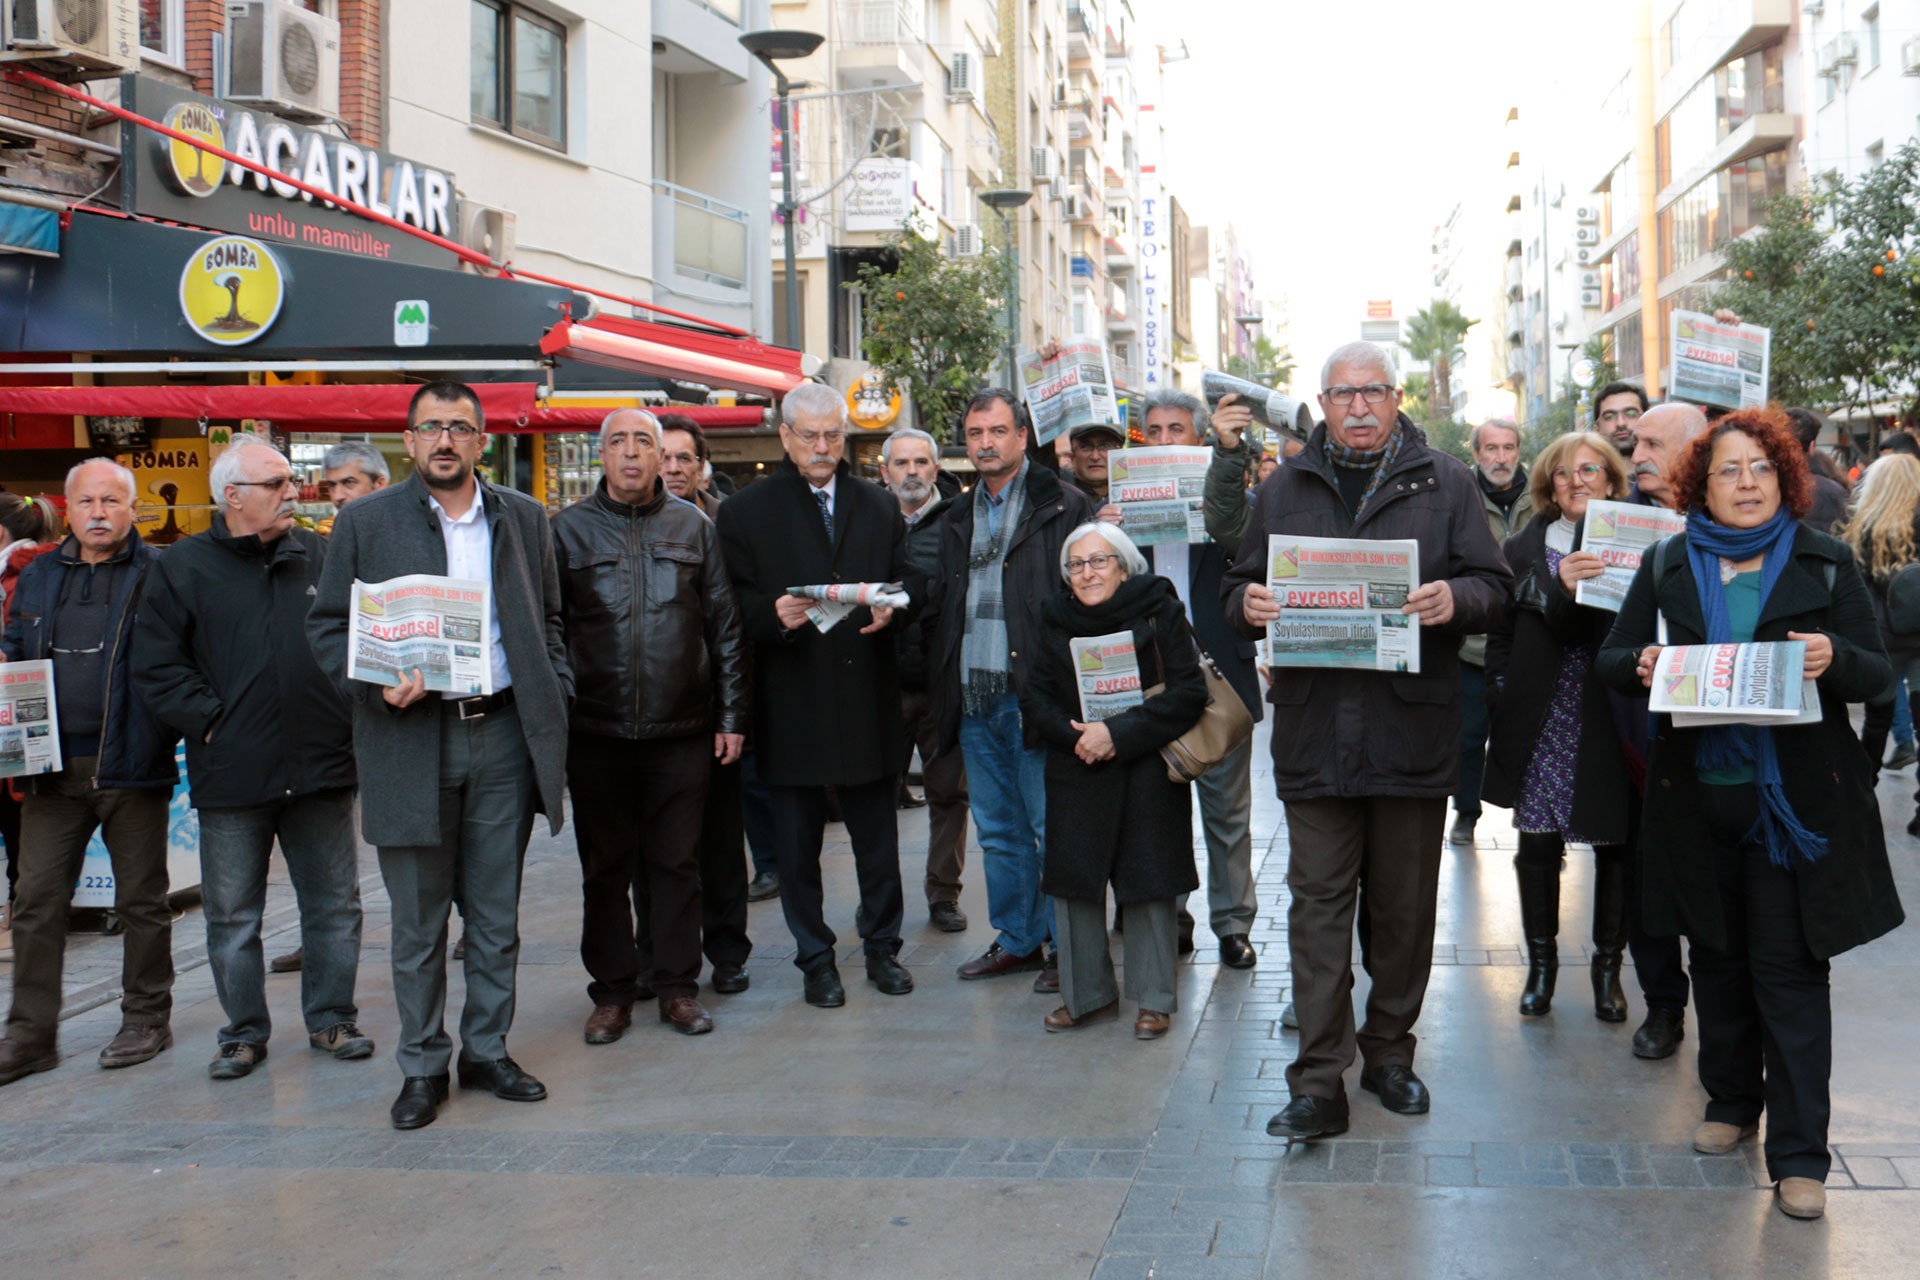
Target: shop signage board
[167,178]
[231,290]
[170,479]
[883,195]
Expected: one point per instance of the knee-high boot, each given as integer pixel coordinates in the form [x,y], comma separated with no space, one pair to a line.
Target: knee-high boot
[1540,922]
[1609,931]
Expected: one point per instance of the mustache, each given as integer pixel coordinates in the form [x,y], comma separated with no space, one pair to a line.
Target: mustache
[1364,420]
[99,524]
[1647,469]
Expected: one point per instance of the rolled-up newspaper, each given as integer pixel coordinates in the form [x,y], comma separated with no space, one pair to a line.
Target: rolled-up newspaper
[838,599]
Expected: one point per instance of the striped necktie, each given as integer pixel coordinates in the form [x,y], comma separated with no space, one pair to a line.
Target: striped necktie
[826,510]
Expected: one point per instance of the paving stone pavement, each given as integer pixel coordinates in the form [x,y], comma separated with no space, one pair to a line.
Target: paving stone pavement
[944,1134]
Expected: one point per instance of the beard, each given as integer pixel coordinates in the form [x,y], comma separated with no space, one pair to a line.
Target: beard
[458,480]
[1501,473]
[913,490]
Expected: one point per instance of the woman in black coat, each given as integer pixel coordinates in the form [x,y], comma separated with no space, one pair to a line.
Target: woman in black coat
[1761,844]
[1553,755]
[1884,534]
[1113,815]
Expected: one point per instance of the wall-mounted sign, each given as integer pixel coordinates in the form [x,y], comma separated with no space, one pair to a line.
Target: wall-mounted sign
[873,403]
[171,479]
[884,195]
[231,290]
[168,178]
[411,326]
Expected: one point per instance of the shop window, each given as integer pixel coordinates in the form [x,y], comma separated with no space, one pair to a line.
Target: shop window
[519,72]
[163,31]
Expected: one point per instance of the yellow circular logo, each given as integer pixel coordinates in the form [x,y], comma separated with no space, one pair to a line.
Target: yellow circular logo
[871,404]
[186,168]
[231,290]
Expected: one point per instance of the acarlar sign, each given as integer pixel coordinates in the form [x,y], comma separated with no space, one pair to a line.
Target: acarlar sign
[168,178]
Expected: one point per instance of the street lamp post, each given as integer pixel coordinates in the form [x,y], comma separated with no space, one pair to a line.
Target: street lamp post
[1003,203]
[770,47]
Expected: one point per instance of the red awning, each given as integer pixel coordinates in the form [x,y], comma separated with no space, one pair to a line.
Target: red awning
[663,351]
[376,407]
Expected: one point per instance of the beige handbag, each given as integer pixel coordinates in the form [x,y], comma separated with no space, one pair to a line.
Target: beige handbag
[1217,734]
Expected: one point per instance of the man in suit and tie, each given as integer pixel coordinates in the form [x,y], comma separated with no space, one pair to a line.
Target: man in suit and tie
[826,703]
[448,785]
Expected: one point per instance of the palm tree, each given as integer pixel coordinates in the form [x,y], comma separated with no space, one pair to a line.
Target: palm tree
[1434,335]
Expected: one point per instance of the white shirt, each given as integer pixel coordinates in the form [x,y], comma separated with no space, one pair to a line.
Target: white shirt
[470,555]
[1170,561]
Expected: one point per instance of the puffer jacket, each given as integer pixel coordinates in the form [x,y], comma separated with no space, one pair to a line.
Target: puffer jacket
[653,633]
[923,553]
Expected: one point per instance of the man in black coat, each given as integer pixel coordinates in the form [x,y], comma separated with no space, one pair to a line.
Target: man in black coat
[911,461]
[826,703]
[221,655]
[999,560]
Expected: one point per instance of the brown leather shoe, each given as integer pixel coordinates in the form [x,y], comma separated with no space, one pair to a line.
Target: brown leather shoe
[18,1058]
[1801,1197]
[684,1014]
[1061,1020]
[1150,1025]
[136,1043]
[997,962]
[608,1022]
[1716,1137]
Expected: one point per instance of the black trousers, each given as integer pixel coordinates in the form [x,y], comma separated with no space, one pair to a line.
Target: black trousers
[1656,961]
[800,821]
[637,807]
[723,876]
[1764,1003]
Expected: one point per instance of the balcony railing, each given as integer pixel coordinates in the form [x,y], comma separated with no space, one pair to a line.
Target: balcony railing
[708,236]
[882,21]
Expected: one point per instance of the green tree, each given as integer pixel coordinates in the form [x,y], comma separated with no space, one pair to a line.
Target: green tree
[1434,335]
[933,325]
[1778,277]
[1270,366]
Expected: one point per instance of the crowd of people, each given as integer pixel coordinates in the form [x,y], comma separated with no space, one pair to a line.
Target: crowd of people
[654,656]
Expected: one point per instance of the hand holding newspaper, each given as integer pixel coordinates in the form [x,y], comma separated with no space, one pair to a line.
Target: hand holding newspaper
[1071,389]
[1340,603]
[1720,684]
[835,600]
[1108,671]
[29,723]
[1159,492]
[423,622]
[1620,534]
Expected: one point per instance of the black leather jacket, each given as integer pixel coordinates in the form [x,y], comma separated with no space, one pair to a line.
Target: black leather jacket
[653,632]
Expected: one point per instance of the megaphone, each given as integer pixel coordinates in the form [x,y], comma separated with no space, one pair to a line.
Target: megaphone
[1275,409]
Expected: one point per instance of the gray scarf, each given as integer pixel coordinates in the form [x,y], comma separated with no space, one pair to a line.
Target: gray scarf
[984,646]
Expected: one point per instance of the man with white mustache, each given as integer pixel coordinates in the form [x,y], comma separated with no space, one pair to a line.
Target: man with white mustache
[221,655]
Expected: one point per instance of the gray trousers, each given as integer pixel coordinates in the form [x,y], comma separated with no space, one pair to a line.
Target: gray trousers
[486,814]
[1394,844]
[1226,815]
[1086,962]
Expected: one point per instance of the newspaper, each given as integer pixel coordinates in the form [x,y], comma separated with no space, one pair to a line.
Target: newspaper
[835,600]
[29,723]
[1719,364]
[1158,491]
[1070,390]
[1340,603]
[1709,684]
[1620,533]
[1109,674]
[426,623]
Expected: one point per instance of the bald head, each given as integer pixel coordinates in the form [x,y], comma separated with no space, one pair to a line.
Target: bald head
[1659,437]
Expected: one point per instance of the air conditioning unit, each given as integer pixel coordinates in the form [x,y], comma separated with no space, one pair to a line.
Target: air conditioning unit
[1046,164]
[1589,279]
[1586,213]
[1078,208]
[1841,51]
[283,57]
[1586,255]
[87,39]
[488,230]
[1586,235]
[1910,57]
[967,242]
[1589,298]
[1814,8]
[961,74]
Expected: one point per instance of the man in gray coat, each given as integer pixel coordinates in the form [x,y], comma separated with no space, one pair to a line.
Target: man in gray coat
[496,759]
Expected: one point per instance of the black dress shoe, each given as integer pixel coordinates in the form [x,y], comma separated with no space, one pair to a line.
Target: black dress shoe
[947,917]
[1309,1117]
[419,1101]
[1660,1035]
[763,886]
[889,975]
[1400,1090]
[824,990]
[1236,952]
[503,1078]
[729,979]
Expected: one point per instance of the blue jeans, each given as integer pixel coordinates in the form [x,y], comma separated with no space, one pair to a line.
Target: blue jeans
[1006,785]
[1902,715]
[316,835]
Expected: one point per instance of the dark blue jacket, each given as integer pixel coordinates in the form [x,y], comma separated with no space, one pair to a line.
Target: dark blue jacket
[136,751]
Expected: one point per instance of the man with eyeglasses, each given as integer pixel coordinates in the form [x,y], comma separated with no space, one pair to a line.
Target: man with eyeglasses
[1365,760]
[78,606]
[826,703]
[221,656]
[999,561]
[1091,443]
[449,786]
[1616,407]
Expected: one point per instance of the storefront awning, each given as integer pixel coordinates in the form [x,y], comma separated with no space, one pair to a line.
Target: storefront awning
[718,361]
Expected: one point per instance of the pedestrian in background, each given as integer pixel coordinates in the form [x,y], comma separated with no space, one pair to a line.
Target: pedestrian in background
[1884,534]
[28,530]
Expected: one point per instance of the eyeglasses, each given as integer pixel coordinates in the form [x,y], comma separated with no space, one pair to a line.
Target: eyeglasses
[1620,415]
[1587,471]
[461,431]
[1729,472]
[284,482]
[1373,393]
[814,439]
[1099,564]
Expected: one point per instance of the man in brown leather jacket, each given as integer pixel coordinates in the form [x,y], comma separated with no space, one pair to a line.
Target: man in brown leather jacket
[661,692]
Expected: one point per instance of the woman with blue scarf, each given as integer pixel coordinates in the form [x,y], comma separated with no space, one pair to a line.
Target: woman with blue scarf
[1762,845]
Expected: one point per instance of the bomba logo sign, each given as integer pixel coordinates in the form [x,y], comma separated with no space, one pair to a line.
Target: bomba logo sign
[231,290]
[189,170]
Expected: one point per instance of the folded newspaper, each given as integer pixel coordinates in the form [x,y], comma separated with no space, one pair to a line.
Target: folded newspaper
[29,723]
[1108,671]
[1071,390]
[1340,603]
[835,600]
[1714,684]
[423,622]
[1620,533]
[1159,492]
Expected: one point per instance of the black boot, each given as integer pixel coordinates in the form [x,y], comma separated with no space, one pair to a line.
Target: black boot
[1609,932]
[1540,922]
